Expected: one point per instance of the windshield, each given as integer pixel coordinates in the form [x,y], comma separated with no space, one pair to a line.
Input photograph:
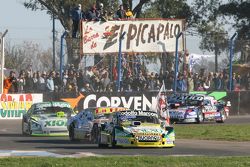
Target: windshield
[142,116]
[102,116]
[53,111]
[142,119]
[191,103]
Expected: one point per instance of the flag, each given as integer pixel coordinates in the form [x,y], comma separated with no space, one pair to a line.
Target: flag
[161,104]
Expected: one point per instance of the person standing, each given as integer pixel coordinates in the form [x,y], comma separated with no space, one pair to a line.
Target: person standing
[76,18]
[93,14]
[121,13]
[29,84]
[21,82]
[10,83]
[41,82]
[50,83]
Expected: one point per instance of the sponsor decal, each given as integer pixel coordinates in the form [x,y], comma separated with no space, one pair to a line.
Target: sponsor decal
[148,138]
[13,106]
[138,113]
[55,123]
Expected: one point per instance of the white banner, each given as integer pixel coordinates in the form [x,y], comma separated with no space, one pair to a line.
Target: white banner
[141,36]
[13,106]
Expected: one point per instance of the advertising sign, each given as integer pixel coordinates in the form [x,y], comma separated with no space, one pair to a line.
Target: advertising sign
[13,106]
[141,36]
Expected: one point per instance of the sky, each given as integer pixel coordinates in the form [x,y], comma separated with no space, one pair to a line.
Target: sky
[36,26]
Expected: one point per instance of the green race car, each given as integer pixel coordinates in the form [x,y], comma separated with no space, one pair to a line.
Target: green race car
[134,128]
[47,119]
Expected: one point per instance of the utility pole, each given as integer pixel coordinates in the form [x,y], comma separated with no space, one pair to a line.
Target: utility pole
[2,60]
[54,40]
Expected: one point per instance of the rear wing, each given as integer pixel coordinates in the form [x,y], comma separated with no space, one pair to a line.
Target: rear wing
[109,110]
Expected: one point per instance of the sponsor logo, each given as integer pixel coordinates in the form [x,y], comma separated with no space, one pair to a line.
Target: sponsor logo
[55,123]
[135,102]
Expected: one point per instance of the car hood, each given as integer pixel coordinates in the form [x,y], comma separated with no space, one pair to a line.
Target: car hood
[144,129]
[183,109]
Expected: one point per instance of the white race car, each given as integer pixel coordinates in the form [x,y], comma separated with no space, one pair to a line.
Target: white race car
[47,119]
[82,126]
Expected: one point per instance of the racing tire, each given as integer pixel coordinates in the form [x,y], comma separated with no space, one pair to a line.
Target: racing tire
[222,113]
[200,118]
[30,131]
[95,134]
[113,141]
[100,145]
[71,133]
[23,133]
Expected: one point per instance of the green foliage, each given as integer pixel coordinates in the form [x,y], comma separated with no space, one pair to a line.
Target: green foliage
[168,9]
[239,11]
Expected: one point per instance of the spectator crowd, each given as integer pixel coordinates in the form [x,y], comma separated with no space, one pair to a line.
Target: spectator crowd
[104,79]
[97,13]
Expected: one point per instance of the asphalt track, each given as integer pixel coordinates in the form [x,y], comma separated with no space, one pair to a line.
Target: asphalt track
[12,139]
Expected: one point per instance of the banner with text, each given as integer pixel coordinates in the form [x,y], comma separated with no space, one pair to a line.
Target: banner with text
[13,106]
[140,36]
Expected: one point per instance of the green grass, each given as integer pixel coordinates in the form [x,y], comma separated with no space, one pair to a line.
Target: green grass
[127,161]
[240,132]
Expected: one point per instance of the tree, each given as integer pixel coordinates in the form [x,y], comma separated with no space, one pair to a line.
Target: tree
[214,39]
[21,56]
[240,13]
[210,27]
[61,11]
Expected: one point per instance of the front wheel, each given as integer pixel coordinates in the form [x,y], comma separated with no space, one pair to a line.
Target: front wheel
[23,131]
[95,134]
[71,133]
[200,118]
[113,141]
[222,115]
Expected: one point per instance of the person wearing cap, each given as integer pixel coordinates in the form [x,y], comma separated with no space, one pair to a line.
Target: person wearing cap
[77,15]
